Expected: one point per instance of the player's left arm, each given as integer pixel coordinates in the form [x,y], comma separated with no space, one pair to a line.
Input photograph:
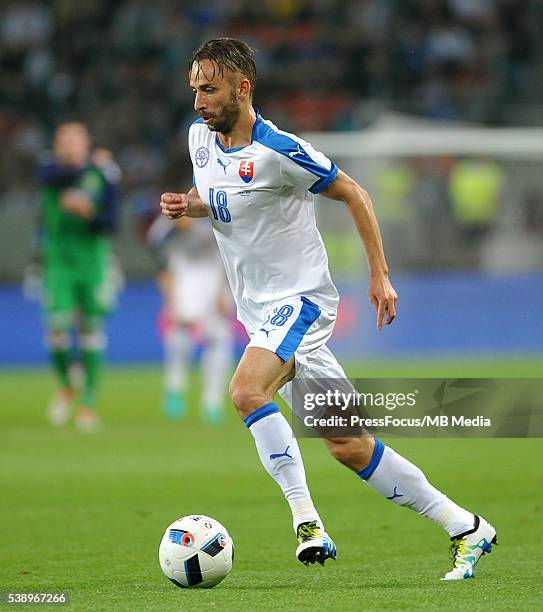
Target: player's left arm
[95,200]
[78,202]
[381,293]
[107,195]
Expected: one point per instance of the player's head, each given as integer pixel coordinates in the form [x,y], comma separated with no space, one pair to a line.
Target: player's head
[222,74]
[72,143]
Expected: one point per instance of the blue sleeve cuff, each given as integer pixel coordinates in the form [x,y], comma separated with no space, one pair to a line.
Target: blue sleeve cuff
[323,183]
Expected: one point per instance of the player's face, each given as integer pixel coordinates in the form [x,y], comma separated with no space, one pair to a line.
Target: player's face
[72,144]
[215,96]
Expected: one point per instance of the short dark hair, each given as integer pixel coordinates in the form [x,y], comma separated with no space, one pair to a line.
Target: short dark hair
[228,54]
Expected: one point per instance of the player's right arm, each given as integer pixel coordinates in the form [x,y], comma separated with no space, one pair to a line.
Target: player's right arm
[176,205]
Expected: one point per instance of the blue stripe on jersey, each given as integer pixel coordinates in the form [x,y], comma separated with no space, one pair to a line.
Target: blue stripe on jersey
[323,183]
[287,146]
[308,315]
[199,120]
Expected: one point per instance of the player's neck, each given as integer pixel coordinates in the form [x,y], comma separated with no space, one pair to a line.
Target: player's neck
[241,133]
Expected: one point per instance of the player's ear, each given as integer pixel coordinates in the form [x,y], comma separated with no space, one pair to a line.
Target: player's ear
[244,89]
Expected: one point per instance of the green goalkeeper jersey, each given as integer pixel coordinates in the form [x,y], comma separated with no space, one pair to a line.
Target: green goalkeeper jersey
[69,239]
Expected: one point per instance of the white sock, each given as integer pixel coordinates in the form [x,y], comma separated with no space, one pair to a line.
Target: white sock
[216,363]
[404,483]
[280,455]
[176,345]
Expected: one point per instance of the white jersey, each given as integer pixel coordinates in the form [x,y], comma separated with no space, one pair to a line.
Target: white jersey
[260,202]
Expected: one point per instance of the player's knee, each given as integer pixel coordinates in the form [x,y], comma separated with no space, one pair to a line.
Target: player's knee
[92,324]
[354,453]
[93,340]
[246,398]
[58,339]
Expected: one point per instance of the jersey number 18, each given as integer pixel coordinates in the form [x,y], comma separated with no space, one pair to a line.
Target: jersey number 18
[220,210]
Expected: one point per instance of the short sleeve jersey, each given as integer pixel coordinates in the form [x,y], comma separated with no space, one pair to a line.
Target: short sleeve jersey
[261,205]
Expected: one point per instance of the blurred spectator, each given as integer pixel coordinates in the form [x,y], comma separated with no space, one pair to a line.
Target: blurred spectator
[25,25]
[121,65]
[475,190]
[196,312]
[517,249]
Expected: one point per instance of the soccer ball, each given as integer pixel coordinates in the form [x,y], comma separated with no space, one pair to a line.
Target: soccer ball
[196,552]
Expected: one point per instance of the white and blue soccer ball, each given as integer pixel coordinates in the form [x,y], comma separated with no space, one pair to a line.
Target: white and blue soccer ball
[196,552]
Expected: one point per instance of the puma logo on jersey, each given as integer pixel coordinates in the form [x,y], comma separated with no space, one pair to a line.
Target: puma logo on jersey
[297,152]
[223,164]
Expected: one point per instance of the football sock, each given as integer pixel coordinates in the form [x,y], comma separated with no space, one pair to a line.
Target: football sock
[176,344]
[92,346]
[60,355]
[216,364]
[403,483]
[280,455]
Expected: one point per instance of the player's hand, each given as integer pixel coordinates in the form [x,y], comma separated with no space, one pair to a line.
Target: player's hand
[174,205]
[384,299]
[78,203]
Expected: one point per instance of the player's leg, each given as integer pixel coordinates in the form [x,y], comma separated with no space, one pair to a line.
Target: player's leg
[216,363]
[60,405]
[191,287]
[403,483]
[96,295]
[92,344]
[177,344]
[176,339]
[259,374]
[400,481]
[58,306]
[266,366]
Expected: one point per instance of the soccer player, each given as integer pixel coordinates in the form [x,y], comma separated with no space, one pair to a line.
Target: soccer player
[256,184]
[197,309]
[78,214]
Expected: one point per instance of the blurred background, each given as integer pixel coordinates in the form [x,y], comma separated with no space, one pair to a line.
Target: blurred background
[435,106]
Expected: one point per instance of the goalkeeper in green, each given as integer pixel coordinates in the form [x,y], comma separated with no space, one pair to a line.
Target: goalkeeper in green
[78,198]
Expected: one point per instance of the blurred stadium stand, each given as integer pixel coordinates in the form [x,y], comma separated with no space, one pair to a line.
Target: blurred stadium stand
[324,66]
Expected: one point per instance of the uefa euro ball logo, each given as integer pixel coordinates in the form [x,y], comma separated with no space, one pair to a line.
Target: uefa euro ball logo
[202,156]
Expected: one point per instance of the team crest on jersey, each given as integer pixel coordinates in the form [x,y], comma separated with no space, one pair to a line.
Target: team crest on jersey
[246,170]
[202,156]
[90,182]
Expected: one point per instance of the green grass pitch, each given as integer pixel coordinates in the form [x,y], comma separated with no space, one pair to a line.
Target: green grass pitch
[84,513]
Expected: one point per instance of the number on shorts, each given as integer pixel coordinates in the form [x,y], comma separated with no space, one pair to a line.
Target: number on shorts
[282,315]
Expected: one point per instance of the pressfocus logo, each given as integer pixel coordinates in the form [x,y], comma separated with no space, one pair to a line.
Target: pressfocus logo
[460,407]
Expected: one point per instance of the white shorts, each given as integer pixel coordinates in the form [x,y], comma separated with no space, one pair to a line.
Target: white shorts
[297,326]
[197,286]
